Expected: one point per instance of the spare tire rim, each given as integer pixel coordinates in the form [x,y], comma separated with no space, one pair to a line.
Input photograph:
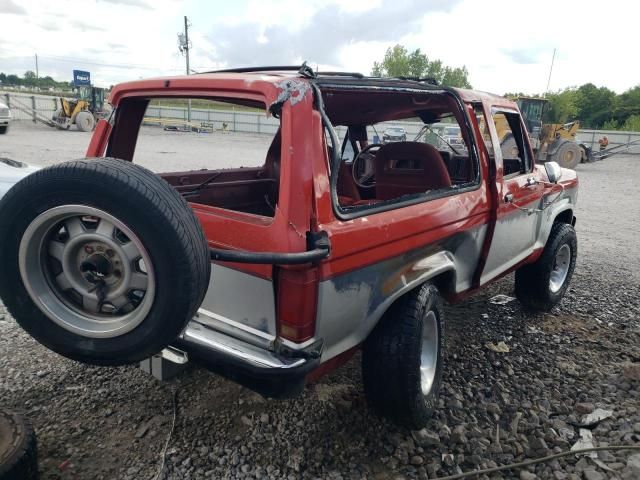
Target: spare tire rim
[429,352]
[87,271]
[560,268]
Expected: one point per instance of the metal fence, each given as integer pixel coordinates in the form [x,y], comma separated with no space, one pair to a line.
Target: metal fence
[23,107]
[232,120]
[258,122]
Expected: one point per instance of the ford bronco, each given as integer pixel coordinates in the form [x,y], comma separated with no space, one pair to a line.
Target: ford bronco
[276,273]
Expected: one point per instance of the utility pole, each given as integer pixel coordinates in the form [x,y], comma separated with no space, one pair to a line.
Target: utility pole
[186,42]
[550,70]
[183,45]
[37,76]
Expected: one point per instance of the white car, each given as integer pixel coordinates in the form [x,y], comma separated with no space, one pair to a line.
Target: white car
[5,117]
[11,172]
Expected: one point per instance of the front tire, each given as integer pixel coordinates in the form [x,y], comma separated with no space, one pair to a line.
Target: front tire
[102,260]
[4,129]
[541,285]
[402,359]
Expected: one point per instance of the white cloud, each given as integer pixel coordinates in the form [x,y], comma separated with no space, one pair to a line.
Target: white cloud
[506,46]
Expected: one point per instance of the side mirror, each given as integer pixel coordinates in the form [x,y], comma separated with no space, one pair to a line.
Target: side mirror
[554,172]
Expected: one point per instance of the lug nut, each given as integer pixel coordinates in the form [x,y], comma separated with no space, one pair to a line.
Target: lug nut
[108,308]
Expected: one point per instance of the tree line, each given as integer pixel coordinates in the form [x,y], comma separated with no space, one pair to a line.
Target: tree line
[399,62]
[594,107]
[31,80]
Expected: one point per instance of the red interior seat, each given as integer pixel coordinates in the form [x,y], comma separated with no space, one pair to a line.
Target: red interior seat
[404,168]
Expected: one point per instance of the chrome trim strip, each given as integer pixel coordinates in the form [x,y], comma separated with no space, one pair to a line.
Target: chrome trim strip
[202,336]
[235,329]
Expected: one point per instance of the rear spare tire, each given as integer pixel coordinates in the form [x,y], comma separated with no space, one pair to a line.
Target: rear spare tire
[18,451]
[102,260]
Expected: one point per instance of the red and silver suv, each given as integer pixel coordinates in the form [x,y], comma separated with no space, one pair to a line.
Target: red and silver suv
[277,272]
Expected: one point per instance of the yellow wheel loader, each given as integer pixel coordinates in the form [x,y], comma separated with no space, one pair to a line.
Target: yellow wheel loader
[83,111]
[550,141]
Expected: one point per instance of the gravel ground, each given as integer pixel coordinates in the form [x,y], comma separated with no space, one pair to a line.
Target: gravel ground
[158,150]
[495,408]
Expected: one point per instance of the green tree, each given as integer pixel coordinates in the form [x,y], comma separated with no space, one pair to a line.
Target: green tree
[595,105]
[399,62]
[30,78]
[562,107]
[627,104]
[632,124]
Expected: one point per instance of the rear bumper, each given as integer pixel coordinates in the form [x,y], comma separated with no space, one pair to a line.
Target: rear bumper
[265,371]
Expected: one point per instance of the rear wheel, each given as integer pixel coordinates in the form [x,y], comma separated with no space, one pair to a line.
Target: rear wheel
[402,359]
[4,129]
[85,121]
[18,451]
[568,155]
[103,261]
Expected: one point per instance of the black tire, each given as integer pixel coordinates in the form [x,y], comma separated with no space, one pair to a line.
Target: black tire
[159,217]
[533,281]
[18,448]
[391,359]
[568,155]
[4,129]
[509,147]
[85,121]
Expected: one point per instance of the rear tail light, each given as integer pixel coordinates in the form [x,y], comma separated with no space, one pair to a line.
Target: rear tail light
[297,303]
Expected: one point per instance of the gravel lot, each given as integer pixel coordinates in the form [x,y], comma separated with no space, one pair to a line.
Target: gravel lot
[495,408]
[158,150]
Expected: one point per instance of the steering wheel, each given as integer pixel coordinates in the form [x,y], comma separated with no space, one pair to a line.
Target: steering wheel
[366,178]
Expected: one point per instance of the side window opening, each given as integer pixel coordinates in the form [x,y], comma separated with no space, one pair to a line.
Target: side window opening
[515,159]
[348,153]
[227,156]
[423,153]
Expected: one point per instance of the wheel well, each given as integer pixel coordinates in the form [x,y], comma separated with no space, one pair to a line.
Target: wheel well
[565,217]
[444,282]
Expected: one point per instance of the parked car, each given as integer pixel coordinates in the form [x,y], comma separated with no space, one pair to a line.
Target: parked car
[12,171]
[5,118]
[394,134]
[447,137]
[276,274]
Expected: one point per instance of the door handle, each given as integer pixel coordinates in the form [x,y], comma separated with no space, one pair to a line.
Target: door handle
[508,198]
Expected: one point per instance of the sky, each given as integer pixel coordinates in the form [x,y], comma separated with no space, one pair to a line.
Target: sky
[507,46]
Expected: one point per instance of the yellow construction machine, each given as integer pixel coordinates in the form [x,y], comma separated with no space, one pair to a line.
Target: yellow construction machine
[550,141]
[83,111]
